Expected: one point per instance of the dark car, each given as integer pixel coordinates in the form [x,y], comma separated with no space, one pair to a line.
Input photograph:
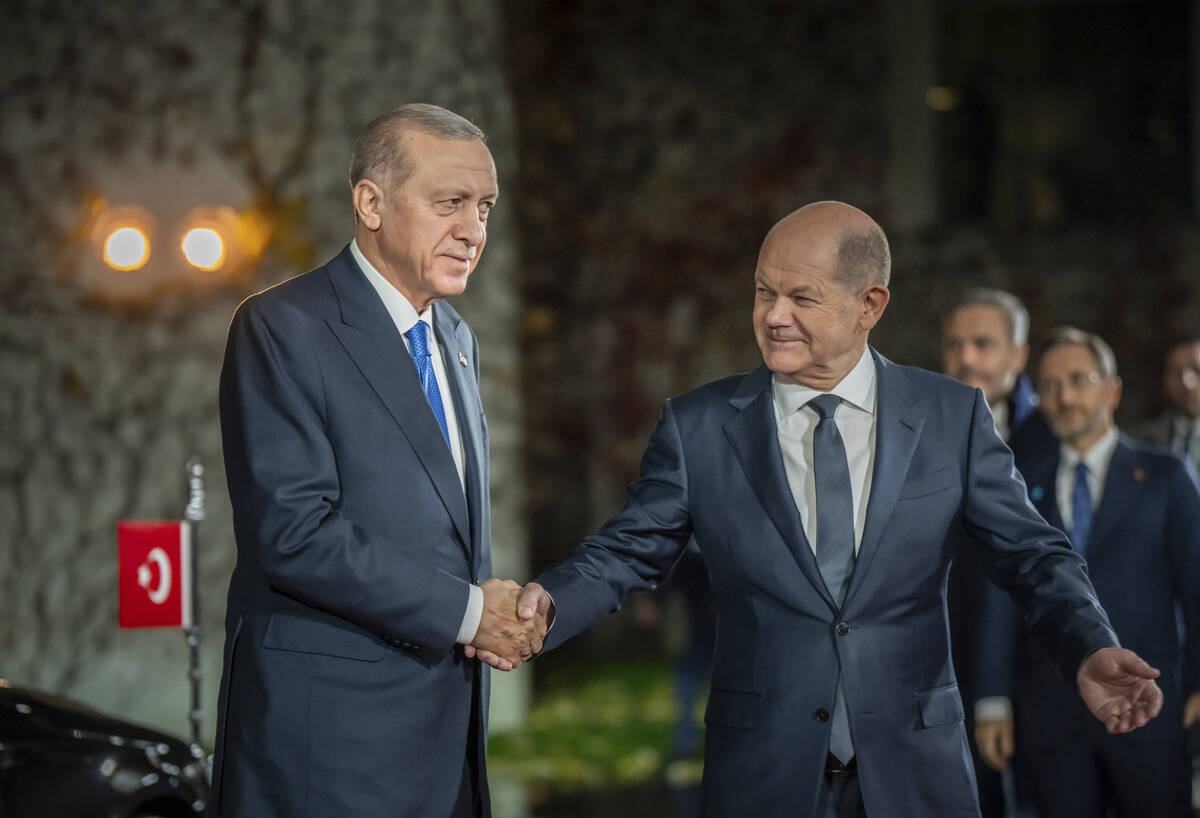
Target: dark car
[61,759]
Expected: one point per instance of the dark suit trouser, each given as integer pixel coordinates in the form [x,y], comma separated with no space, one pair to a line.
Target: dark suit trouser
[470,796]
[1084,774]
[842,798]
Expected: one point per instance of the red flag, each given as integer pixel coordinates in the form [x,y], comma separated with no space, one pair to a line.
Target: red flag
[154,573]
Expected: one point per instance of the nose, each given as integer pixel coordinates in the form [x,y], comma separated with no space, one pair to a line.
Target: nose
[778,314]
[470,228]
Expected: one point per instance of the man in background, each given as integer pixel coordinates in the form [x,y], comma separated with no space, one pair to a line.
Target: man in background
[985,344]
[1178,428]
[1134,513]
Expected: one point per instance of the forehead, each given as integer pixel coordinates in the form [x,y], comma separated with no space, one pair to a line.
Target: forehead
[452,162]
[1184,355]
[1068,358]
[807,259]
[977,320]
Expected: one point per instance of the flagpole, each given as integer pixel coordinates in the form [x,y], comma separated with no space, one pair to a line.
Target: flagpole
[193,633]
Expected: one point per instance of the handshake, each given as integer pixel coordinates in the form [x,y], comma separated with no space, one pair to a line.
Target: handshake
[513,624]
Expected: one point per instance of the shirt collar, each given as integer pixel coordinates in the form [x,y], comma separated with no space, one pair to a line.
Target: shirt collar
[1096,458]
[858,388]
[403,313]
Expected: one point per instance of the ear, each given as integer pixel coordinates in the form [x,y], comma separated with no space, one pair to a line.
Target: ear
[1020,357]
[1114,393]
[368,204]
[873,300]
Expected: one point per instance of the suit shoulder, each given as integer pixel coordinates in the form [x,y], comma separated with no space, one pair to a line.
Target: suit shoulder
[307,294]
[716,392]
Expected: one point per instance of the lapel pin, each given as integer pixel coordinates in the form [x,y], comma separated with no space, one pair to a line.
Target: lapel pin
[462,359]
[1036,493]
[1139,474]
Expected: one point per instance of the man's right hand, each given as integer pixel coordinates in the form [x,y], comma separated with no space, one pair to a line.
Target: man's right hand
[994,738]
[503,639]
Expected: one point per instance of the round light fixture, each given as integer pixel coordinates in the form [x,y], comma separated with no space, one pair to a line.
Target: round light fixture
[204,248]
[126,248]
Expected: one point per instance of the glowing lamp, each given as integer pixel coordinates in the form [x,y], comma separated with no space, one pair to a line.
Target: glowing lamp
[204,248]
[126,248]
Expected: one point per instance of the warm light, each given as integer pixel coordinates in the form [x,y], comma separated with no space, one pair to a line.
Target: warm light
[203,248]
[126,248]
[941,98]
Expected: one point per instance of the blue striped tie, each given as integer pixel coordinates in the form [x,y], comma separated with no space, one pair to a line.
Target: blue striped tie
[1081,509]
[835,538]
[418,343]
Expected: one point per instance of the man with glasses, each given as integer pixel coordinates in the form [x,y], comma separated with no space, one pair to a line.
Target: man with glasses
[1134,514]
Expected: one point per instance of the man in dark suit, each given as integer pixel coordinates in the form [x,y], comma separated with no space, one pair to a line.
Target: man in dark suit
[357,462]
[985,344]
[1177,429]
[1134,513]
[828,491]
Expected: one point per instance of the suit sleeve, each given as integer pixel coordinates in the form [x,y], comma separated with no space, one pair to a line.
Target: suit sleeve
[1028,557]
[1183,538]
[635,549]
[286,494]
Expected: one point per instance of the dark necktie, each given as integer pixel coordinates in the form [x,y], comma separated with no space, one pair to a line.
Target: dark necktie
[1081,509]
[418,343]
[835,537]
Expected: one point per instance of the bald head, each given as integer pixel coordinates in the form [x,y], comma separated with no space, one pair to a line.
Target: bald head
[851,242]
[820,287]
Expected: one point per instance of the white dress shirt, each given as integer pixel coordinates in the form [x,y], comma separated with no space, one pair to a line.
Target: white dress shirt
[405,316]
[1097,459]
[1000,418]
[855,419]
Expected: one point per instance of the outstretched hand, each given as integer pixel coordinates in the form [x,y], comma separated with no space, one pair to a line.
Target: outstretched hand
[1118,687]
[505,640]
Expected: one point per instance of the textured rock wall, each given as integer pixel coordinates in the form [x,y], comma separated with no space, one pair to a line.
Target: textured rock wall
[102,400]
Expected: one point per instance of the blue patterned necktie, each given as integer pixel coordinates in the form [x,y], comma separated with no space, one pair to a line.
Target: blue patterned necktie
[1081,509]
[418,343]
[835,537]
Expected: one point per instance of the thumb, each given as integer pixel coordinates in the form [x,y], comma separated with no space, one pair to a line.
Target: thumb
[1138,666]
[533,598]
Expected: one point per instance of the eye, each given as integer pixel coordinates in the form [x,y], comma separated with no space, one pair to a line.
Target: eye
[762,292]
[485,209]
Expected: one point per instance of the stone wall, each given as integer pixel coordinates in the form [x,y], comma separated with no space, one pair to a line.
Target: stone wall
[103,398]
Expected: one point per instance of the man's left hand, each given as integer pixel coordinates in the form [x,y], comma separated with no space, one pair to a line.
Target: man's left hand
[1119,688]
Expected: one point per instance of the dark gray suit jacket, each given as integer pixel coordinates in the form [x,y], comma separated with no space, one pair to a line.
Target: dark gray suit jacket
[343,692]
[942,481]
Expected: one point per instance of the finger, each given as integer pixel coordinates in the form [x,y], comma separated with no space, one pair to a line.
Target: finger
[498,662]
[469,651]
[531,600]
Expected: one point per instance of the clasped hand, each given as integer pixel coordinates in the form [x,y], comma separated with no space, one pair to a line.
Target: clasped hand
[513,624]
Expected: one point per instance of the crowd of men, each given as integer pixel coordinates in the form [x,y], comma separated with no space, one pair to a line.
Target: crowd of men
[1129,504]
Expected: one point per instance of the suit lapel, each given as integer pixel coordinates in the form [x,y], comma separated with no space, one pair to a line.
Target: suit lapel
[897,429]
[1121,490]
[457,350]
[369,335]
[752,433]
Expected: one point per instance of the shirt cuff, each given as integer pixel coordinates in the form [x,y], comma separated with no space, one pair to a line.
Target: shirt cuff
[471,617]
[993,708]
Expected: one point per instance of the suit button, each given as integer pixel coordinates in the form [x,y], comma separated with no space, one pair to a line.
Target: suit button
[821,715]
[843,628]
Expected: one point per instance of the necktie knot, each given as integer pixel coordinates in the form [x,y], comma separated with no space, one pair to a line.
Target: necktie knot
[825,405]
[1081,471]
[418,339]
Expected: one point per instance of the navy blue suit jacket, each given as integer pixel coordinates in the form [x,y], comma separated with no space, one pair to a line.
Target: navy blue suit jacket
[1143,557]
[343,693]
[942,481]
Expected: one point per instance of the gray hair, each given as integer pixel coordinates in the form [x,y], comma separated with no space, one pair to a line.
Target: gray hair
[863,258]
[1106,361]
[1014,311]
[379,153]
